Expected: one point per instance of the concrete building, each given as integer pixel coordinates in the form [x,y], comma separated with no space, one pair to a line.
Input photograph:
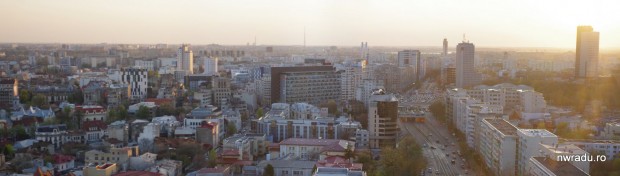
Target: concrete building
[101,170]
[9,92]
[54,134]
[119,156]
[611,130]
[149,65]
[498,146]
[210,64]
[466,75]
[351,74]
[310,84]
[92,113]
[607,148]
[311,149]
[288,167]
[382,120]
[117,94]
[560,152]
[136,79]
[221,91]
[412,58]
[586,58]
[545,166]
[529,146]
[185,59]
[364,91]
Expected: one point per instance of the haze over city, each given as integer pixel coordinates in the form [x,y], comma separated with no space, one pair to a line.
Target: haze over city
[512,23]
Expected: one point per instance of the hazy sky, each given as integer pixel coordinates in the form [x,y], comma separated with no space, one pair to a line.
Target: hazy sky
[506,23]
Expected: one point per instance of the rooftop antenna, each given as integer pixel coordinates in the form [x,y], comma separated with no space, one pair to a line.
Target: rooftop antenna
[464,38]
[254,40]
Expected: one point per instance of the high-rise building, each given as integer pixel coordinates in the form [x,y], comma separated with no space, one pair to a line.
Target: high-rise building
[466,75]
[351,74]
[310,84]
[586,58]
[210,64]
[445,47]
[136,79]
[408,58]
[529,145]
[185,59]
[221,90]
[9,92]
[382,120]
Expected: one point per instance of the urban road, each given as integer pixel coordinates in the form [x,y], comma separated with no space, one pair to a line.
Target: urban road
[440,147]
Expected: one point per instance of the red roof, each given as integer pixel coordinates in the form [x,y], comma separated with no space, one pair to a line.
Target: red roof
[159,101]
[138,173]
[59,159]
[212,170]
[90,109]
[98,124]
[230,152]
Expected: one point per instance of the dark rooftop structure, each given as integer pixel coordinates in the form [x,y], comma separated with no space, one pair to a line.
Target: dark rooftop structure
[51,128]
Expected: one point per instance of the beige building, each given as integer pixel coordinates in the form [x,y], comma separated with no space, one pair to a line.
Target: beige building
[119,156]
[101,170]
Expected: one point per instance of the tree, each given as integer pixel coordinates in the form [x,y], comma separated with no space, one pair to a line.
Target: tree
[212,162]
[259,113]
[8,150]
[349,153]
[143,113]
[166,109]
[19,132]
[122,113]
[231,129]
[39,100]
[438,110]
[24,96]
[269,170]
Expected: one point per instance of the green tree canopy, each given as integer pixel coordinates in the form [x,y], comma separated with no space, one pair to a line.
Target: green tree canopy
[143,113]
[269,170]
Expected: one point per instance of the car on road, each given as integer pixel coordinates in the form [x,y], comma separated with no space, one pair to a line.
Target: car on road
[453,162]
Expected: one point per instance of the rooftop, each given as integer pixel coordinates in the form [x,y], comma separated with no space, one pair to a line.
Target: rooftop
[563,168]
[537,132]
[503,126]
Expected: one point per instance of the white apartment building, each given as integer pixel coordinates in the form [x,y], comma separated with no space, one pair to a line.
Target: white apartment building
[529,146]
[611,149]
[546,166]
[472,118]
[553,152]
[511,97]
[210,64]
[351,74]
[149,65]
[498,146]
[366,88]
[304,111]
[185,59]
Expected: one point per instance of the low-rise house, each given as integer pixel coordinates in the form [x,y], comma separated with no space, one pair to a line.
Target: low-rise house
[118,130]
[133,109]
[94,130]
[119,156]
[217,171]
[32,112]
[288,167]
[92,112]
[312,149]
[94,92]
[63,162]
[55,134]
[167,167]
[108,169]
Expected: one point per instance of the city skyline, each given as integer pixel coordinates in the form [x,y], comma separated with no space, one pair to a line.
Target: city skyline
[342,23]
